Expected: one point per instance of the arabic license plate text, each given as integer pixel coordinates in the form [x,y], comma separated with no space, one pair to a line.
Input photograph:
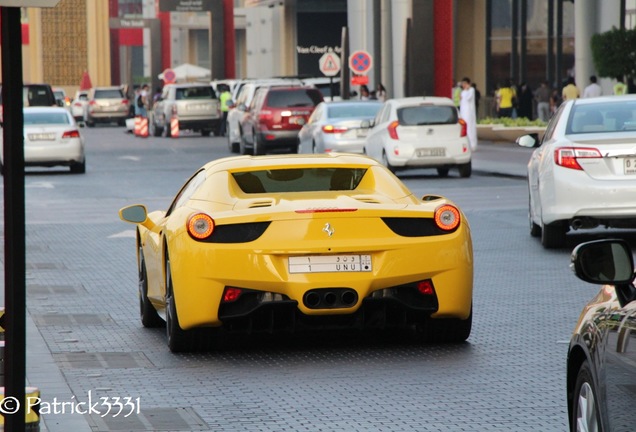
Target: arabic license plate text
[330,263]
[629,165]
[436,151]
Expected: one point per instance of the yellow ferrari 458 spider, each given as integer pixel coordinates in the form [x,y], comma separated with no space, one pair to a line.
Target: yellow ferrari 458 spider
[302,242]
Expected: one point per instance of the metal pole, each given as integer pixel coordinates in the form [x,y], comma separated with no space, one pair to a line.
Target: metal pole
[344,64]
[514,48]
[559,46]
[523,23]
[14,213]
[549,65]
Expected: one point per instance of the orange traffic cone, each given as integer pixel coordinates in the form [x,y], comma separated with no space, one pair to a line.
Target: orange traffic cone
[137,125]
[143,127]
[174,127]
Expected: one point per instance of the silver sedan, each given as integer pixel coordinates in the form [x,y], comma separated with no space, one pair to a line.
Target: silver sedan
[336,126]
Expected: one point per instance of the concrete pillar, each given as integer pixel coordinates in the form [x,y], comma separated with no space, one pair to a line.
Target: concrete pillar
[387,64]
[607,15]
[98,44]
[361,31]
[584,27]
[401,10]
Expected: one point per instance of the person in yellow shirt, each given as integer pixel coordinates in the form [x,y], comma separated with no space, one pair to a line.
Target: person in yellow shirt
[620,88]
[506,96]
[570,91]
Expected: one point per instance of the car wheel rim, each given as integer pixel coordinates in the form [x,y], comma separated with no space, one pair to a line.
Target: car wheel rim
[586,410]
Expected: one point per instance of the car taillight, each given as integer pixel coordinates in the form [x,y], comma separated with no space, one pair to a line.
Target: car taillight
[567,156]
[266,115]
[464,128]
[426,287]
[447,217]
[393,130]
[200,226]
[71,134]
[125,101]
[231,294]
[92,102]
[334,129]
[77,104]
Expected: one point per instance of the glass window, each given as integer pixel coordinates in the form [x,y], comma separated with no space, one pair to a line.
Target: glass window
[203,92]
[427,115]
[187,191]
[294,98]
[605,117]
[359,110]
[109,94]
[32,118]
[299,180]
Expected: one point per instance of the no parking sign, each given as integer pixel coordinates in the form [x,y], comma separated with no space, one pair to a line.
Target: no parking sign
[360,62]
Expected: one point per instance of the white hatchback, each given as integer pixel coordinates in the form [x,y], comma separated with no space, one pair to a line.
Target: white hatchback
[583,172]
[420,132]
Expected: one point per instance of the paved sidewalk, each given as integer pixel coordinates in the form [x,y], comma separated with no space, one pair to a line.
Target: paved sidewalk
[501,158]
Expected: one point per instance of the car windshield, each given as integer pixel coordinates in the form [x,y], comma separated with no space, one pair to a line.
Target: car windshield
[40,118]
[359,110]
[299,180]
[109,94]
[602,117]
[203,92]
[427,115]
[294,98]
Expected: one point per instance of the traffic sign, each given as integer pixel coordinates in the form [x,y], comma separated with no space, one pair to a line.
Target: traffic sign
[169,76]
[359,80]
[360,62]
[329,64]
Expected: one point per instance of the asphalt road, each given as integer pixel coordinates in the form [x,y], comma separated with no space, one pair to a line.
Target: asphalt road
[85,340]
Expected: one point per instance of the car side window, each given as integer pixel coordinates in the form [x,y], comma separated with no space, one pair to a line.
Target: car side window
[187,190]
[549,131]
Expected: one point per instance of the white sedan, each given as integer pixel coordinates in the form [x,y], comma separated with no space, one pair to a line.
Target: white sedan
[583,172]
[420,132]
[52,138]
[336,126]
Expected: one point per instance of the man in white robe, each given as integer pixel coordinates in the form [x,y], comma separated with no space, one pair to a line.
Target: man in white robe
[468,112]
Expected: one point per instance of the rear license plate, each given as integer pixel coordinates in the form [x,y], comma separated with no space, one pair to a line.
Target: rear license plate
[330,263]
[361,133]
[436,151]
[629,165]
[41,137]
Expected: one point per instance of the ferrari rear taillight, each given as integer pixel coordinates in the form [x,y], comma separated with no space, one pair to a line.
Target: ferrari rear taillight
[331,129]
[464,128]
[567,156]
[71,134]
[200,226]
[393,130]
[426,287]
[447,217]
[231,294]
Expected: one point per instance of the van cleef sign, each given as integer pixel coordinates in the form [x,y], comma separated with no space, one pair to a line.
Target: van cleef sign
[314,49]
[186,5]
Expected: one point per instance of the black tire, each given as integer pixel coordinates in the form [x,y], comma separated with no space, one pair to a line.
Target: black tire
[585,410]
[243,147]
[154,130]
[535,230]
[465,170]
[90,123]
[205,132]
[446,330]
[442,172]
[122,122]
[259,148]
[179,340]
[165,132]
[232,147]
[149,316]
[79,168]
[385,162]
[553,235]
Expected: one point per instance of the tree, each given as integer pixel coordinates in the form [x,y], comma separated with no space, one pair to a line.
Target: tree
[614,53]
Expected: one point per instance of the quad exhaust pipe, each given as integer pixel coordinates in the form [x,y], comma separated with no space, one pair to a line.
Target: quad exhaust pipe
[330,298]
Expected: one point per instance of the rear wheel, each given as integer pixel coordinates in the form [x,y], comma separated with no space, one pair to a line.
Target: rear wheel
[259,148]
[585,413]
[446,330]
[149,316]
[535,230]
[79,168]
[179,340]
[442,172]
[385,162]
[205,132]
[553,235]
[465,170]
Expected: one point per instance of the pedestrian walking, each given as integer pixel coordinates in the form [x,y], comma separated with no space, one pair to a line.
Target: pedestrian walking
[620,88]
[380,93]
[526,99]
[141,102]
[542,97]
[593,89]
[507,97]
[468,112]
[570,91]
[224,99]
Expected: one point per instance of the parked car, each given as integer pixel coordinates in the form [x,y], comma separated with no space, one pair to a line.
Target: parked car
[243,102]
[275,118]
[51,138]
[583,172]
[601,361]
[195,106]
[329,87]
[61,99]
[336,126]
[34,95]
[79,104]
[420,132]
[295,242]
[106,105]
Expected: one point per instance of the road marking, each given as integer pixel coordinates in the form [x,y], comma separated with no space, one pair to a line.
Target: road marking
[125,234]
[40,185]
[132,158]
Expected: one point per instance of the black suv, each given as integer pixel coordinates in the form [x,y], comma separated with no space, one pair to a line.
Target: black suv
[35,95]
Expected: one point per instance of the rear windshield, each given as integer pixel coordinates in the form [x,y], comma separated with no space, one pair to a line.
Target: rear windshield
[603,117]
[299,180]
[360,110]
[293,98]
[37,95]
[109,94]
[31,118]
[325,89]
[195,93]
[427,115]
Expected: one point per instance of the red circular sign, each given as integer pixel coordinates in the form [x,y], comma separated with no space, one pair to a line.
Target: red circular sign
[169,76]
[360,62]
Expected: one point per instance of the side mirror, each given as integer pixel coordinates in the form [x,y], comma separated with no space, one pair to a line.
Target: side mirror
[603,262]
[529,141]
[136,214]
[365,124]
